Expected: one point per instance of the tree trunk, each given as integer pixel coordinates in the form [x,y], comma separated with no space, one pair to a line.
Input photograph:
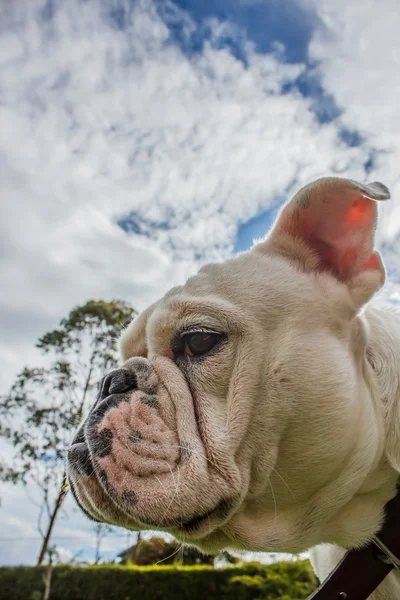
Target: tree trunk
[97,550]
[57,506]
[47,577]
[64,484]
[135,554]
[99,536]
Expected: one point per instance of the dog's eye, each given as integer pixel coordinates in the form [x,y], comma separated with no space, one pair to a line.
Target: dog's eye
[199,342]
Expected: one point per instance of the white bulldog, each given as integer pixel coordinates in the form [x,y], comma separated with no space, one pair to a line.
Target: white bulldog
[259,404]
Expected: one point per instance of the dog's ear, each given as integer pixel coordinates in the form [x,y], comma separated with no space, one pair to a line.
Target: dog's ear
[329,226]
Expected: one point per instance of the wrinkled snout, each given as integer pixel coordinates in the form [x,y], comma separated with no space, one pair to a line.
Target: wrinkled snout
[131,463]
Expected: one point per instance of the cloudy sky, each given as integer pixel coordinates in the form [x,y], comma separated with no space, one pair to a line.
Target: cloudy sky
[142,138]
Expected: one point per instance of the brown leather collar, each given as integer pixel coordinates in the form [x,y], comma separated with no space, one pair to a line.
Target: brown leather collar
[361,571]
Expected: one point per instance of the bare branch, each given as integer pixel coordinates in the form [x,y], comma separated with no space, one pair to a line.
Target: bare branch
[39,522]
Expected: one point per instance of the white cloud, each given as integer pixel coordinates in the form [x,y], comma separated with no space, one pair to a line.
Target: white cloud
[358,51]
[97,122]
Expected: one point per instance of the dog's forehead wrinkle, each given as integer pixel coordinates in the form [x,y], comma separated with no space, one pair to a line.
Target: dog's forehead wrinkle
[244,289]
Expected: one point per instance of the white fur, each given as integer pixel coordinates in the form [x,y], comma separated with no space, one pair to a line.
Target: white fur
[326,475]
[384,345]
[298,414]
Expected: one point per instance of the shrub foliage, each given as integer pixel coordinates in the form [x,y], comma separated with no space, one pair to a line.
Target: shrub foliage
[286,581]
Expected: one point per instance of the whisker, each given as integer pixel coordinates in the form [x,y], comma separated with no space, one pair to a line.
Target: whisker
[286,484]
[175,492]
[161,484]
[176,480]
[273,495]
[159,523]
[171,555]
[216,467]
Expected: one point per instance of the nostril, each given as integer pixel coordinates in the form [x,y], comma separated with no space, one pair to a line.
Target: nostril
[106,404]
[123,381]
[118,382]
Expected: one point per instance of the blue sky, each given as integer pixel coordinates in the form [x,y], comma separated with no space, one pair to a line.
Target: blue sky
[141,139]
[271,27]
[265,24]
[253,229]
[284,29]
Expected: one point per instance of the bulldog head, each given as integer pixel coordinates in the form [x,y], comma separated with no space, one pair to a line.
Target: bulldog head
[244,415]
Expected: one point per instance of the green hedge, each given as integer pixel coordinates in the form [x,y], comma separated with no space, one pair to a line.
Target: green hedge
[286,581]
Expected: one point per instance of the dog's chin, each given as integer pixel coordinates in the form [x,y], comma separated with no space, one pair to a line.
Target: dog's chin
[195,527]
[101,506]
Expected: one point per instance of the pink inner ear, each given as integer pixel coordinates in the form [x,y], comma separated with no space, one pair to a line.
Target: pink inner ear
[340,229]
[359,213]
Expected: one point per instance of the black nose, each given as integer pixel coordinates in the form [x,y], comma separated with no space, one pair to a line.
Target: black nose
[117,382]
[114,388]
[111,386]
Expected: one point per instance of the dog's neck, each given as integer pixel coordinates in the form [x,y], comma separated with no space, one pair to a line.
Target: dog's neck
[383,353]
[361,514]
